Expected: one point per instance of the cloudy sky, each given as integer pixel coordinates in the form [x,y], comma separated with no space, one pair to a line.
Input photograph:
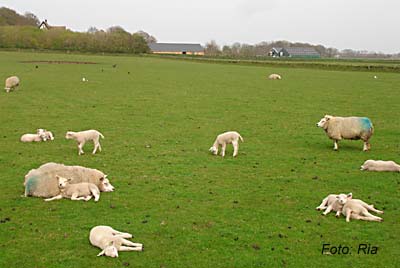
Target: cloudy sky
[357,24]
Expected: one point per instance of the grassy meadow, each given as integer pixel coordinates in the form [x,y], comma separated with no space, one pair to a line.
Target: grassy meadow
[189,208]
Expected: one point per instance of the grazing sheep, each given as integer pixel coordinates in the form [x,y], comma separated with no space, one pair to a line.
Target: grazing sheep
[83,136]
[358,209]
[224,139]
[274,77]
[11,83]
[42,182]
[331,202]
[354,128]
[111,241]
[379,165]
[77,191]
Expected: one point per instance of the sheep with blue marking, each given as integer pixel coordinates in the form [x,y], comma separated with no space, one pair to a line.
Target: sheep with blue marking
[350,128]
[43,182]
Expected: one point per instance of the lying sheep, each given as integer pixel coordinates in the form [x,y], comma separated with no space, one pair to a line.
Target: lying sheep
[83,136]
[224,139]
[331,202]
[274,77]
[33,137]
[77,191]
[358,209]
[49,135]
[379,165]
[42,182]
[354,128]
[11,83]
[111,241]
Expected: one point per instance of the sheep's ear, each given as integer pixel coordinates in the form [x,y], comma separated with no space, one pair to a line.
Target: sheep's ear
[58,177]
[69,179]
[350,195]
[105,176]
[101,253]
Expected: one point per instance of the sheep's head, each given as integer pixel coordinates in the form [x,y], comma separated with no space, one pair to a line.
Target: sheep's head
[105,185]
[69,135]
[342,198]
[110,251]
[213,150]
[62,182]
[323,122]
[49,135]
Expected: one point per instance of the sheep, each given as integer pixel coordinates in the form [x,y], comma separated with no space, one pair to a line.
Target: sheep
[224,139]
[77,191]
[274,77]
[354,128]
[379,165]
[111,241]
[11,83]
[83,136]
[42,182]
[49,135]
[39,136]
[358,209]
[331,202]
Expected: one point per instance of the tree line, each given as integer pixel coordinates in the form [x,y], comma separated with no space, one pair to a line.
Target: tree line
[22,32]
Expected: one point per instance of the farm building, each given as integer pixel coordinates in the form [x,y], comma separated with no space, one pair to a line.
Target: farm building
[294,52]
[173,48]
[45,25]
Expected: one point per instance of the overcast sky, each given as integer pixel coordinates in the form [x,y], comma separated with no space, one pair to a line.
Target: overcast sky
[357,24]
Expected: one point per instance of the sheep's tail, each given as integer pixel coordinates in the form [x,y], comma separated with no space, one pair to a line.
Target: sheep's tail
[101,135]
[240,137]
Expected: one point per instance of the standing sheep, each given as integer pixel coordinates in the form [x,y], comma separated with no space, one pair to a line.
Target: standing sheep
[83,136]
[224,139]
[379,165]
[11,83]
[42,182]
[111,241]
[353,128]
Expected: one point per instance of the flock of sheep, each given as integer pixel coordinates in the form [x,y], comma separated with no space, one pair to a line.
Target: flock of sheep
[54,181]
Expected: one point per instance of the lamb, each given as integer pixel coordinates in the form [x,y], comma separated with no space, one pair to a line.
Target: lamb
[224,139]
[83,136]
[331,202]
[358,209]
[354,128]
[111,241]
[49,135]
[379,165]
[77,191]
[39,136]
[42,182]
[274,77]
[11,83]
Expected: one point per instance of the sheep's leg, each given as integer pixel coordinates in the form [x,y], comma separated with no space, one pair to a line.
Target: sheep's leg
[366,218]
[130,243]
[54,198]
[335,145]
[365,146]
[374,209]
[123,248]
[348,215]
[96,196]
[75,197]
[87,198]
[235,148]
[96,145]
[323,204]
[223,149]
[123,235]
[372,217]
[328,209]
[80,146]
[338,213]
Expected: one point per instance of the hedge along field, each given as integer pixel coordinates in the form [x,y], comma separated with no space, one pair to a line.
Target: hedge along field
[189,208]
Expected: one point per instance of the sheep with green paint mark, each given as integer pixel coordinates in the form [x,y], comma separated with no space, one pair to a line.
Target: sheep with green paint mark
[352,128]
[43,182]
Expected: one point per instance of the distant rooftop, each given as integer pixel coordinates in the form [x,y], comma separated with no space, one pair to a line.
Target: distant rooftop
[299,51]
[175,47]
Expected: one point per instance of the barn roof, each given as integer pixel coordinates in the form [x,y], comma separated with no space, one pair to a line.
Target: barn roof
[175,47]
[302,51]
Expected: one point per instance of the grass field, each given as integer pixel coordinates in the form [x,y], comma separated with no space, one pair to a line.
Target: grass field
[189,208]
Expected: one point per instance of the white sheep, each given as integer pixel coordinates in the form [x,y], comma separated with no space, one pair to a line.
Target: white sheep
[111,241]
[331,202]
[83,136]
[354,128]
[42,182]
[49,135]
[11,83]
[274,77]
[358,209]
[379,165]
[77,191]
[224,139]
[39,136]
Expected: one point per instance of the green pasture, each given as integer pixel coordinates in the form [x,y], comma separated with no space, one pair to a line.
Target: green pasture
[189,208]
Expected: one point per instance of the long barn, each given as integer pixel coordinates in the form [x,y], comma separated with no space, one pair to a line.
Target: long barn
[176,48]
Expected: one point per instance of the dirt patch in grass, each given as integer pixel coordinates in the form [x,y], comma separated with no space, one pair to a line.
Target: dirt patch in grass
[59,62]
